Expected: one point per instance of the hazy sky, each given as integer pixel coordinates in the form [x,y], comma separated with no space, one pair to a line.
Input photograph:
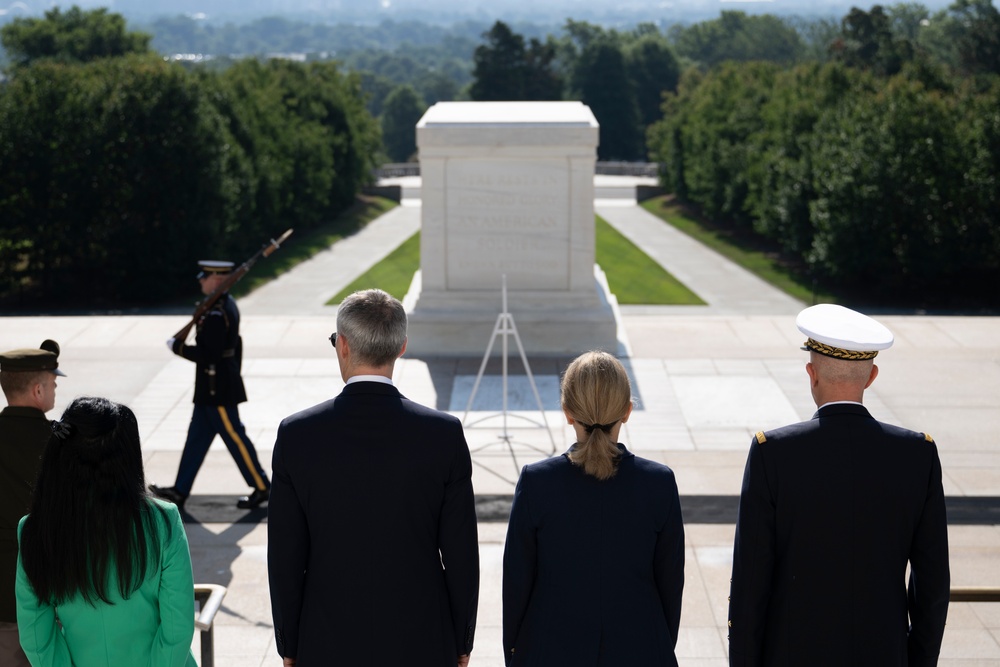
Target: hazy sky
[446,11]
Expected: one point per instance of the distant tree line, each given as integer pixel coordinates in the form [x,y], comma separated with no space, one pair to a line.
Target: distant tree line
[118,173]
[865,147]
[878,170]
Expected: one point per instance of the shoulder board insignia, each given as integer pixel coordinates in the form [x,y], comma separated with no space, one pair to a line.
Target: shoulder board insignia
[761,438]
[928,438]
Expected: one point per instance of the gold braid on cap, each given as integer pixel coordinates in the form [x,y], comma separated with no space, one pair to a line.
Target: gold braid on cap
[838,352]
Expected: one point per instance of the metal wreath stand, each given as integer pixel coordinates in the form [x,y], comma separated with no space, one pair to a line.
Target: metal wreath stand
[505,327]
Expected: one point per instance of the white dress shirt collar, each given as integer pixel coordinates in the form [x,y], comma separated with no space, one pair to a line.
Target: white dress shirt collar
[370,378]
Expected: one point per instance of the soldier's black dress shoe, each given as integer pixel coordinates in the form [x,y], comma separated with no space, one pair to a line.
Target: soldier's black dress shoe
[254,499]
[169,493]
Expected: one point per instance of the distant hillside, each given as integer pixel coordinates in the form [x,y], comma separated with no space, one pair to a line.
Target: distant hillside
[447,11]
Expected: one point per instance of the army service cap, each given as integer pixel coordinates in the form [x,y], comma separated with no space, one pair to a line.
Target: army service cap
[45,358]
[214,267]
[842,333]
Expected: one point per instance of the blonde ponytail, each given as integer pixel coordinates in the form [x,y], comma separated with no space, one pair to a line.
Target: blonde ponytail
[596,392]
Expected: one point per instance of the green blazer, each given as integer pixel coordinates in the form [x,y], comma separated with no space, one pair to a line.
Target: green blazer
[153,628]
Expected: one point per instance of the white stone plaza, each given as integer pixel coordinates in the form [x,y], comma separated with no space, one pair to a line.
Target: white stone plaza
[706,378]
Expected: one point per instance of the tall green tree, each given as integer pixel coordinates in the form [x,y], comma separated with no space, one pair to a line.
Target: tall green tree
[738,36]
[403,108]
[506,69]
[867,41]
[652,70]
[498,70]
[602,82]
[979,44]
[73,35]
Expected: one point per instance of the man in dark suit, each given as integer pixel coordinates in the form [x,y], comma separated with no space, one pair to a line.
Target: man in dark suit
[28,378]
[373,552]
[831,512]
[218,392]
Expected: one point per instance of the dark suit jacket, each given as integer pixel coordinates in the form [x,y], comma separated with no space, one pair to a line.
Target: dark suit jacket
[24,433]
[373,553]
[593,570]
[831,511]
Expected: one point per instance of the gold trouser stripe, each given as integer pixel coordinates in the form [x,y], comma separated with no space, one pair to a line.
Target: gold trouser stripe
[241,446]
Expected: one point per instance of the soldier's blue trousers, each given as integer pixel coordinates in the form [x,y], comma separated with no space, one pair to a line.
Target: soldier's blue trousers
[224,420]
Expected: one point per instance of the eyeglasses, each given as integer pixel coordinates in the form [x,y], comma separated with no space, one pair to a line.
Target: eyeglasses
[333,339]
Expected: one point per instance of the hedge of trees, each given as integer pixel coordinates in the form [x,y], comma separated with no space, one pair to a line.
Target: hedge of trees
[118,173]
[884,186]
[620,75]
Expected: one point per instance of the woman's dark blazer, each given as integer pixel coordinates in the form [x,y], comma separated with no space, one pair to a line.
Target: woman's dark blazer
[593,570]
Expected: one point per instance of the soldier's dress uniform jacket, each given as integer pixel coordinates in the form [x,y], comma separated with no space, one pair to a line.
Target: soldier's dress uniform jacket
[218,353]
[218,391]
[24,433]
[831,511]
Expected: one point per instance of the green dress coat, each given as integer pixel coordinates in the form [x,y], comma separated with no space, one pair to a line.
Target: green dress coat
[153,628]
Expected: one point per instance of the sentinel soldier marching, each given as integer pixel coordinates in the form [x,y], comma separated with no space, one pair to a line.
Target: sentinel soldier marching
[218,391]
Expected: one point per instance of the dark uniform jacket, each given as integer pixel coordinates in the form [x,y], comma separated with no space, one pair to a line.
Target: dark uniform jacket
[593,571]
[373,553]
[24,433]
[831,511]
[218,352]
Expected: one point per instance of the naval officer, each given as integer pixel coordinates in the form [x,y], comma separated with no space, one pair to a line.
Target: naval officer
[831,512]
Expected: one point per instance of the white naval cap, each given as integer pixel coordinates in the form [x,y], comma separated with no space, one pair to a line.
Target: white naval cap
[842,333]
[214,266]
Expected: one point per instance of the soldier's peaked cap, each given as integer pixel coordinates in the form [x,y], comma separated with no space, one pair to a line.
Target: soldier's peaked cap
[44,358]
[214,267]
[842,333]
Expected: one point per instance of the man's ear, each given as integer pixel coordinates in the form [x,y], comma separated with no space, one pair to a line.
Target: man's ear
[813,378]
[402,351]
[871,378]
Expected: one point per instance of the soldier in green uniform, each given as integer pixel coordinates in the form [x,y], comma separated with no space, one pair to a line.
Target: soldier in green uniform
[28,379]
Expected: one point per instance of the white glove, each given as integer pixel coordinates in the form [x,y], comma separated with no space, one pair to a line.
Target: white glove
[170,343]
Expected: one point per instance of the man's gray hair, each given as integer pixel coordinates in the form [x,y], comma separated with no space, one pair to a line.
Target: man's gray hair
[374,324]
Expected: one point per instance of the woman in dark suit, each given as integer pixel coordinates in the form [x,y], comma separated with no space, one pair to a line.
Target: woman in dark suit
[593,566]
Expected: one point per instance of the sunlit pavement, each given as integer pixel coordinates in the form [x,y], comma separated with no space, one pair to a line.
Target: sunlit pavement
[706,378]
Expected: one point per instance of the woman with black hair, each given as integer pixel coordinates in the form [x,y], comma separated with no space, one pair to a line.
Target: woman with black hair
[593,565]
[104,573]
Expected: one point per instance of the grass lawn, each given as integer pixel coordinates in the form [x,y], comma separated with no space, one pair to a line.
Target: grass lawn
[393,274]
[301,246]
[749,251]
[632,275]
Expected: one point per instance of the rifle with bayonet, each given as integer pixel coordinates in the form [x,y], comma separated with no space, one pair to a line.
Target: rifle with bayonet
[227,284]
